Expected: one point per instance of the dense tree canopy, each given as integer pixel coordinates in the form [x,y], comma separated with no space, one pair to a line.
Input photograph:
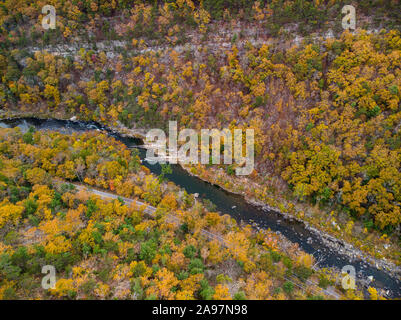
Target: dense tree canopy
[108,249]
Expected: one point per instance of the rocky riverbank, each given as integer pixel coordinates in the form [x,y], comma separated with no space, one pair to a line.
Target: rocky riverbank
[335,244]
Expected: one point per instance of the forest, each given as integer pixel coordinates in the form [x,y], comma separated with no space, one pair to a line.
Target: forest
[324,104]
[108,249]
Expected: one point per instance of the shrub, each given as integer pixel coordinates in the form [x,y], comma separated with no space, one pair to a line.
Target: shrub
[287,262]
[375,111]
[393,90]
[91,207]
[7,269]
[230,170]
[183,275]
[30,207]
[148,250]
[324,282]
[303,272]
[28,136]
[288,287]
[190,251]
[240,295]
[275,256]
[196,266]
[11,238]
[223,278]
[206,291]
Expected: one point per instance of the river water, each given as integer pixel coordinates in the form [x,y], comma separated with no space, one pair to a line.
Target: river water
[232,204]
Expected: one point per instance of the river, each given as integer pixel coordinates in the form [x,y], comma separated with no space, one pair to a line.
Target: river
[234,205]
